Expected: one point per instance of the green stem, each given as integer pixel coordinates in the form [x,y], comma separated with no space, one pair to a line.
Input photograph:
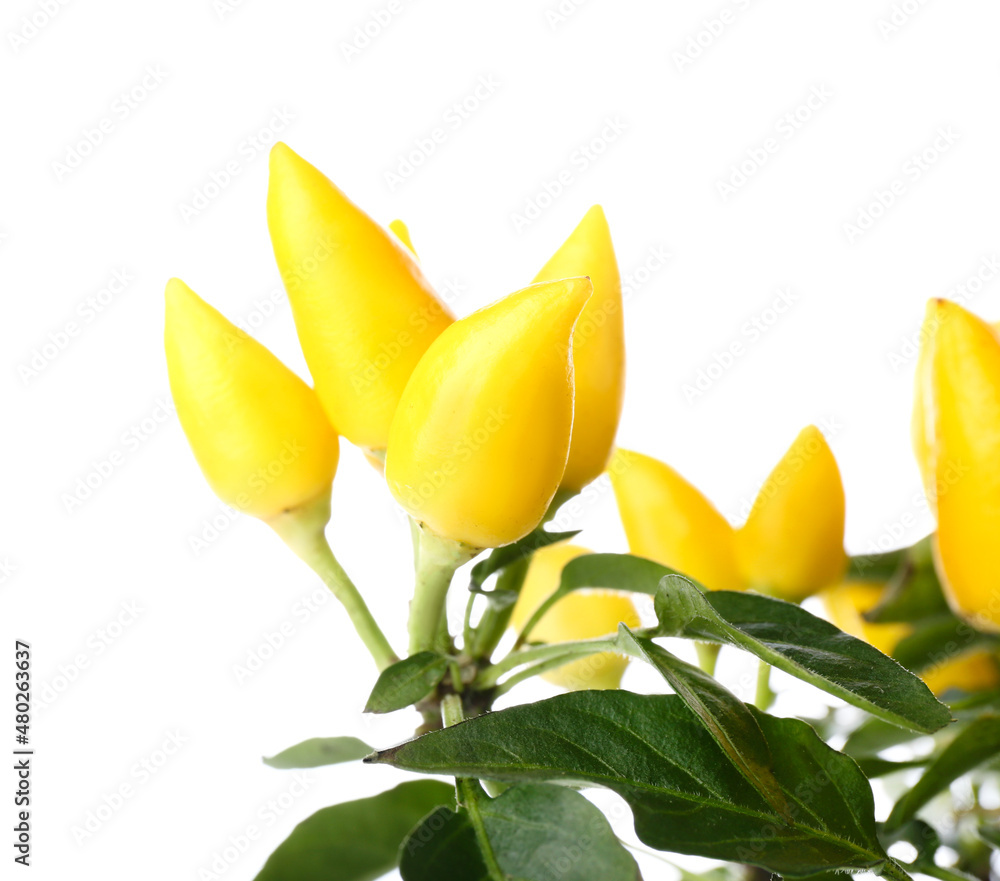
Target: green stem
[303,530]
[559,653]
[492,626]
[764,697]
[437,560]
[708,656]
[536,616]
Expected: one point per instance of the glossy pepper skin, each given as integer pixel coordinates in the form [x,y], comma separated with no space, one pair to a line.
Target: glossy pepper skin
[668,520]
[479,442]
[256,429]
[364,312]
[598,346]
[792,544]
[970,671]
[576,616]
[956,438]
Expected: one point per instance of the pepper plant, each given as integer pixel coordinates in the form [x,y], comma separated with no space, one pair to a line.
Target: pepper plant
[484,426]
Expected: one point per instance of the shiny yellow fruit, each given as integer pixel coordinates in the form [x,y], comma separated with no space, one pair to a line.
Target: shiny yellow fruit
[792,544]
[969,671]
[256,429]
[479,442]
[598,346]
[956,438]
[846,604]
[365,314]
[402,232]
[576,616]
[667,520]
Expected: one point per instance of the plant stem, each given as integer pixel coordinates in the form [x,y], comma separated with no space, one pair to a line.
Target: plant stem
[303,530]
[493,624]
[437,560]
[764,697]
[560,652]
[708,655]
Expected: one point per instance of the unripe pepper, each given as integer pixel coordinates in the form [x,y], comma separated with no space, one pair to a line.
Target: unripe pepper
[956,438]
[972,670]
[792,544]
[364,312]
[598,347]
[256,429]
[668,520]
[576,616]
[479,442]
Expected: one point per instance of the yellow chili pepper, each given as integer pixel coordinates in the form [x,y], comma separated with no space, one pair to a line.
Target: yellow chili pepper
[256,429]
[973,670]
[479,442]
[598,347]
[576,616]
[365,314]
[667,520]
[956,438]
[402,232]
[792,544]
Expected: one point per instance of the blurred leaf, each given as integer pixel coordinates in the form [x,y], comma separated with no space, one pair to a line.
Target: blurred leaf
[913,597]
[685,793]
[525,547]
[406,682]
[536,831]
[921,835]
[319,751]
[874,735]
[356,840]
[725,717]
[873,766]
[976,744]
[991,835]
[938,640]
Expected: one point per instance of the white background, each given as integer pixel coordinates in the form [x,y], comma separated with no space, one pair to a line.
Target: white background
[224,71]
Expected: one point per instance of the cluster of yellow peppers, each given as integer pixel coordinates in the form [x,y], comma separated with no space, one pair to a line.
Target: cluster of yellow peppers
[483,423]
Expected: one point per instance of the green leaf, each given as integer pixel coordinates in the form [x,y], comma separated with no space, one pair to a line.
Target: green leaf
[356,840]
[536,831]
[725,716]
[791,639]
[979,742]
[991,835]
[684,791]
[406,682]
[783,634]
[941,638]
[873,735]
[873,766]
[914,596]
[319,751]
[525,547]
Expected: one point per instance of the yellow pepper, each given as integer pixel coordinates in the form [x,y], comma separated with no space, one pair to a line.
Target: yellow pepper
[792,544]
[576,616]
[956,438]
[973,670]
[402,232]
[598,347]
[667,520]
[365,314]
[256,429]
[479,442]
